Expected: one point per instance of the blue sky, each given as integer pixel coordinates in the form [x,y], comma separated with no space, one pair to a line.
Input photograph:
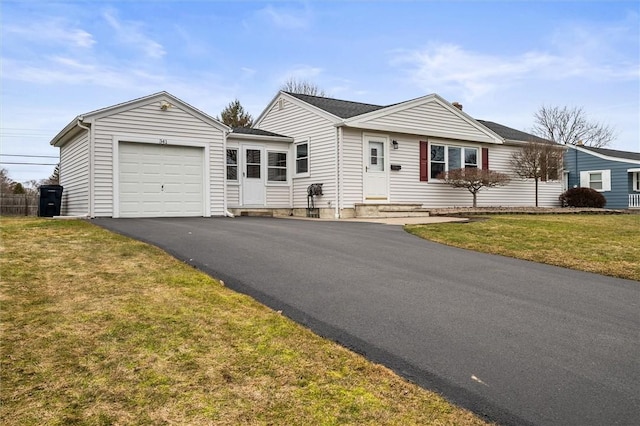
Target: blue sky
[502,60]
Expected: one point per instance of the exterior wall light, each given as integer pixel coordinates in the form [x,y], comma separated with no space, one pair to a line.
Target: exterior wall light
[395,144]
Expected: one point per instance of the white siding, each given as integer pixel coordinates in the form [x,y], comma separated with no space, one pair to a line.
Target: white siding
[300,123]
[352,160]
[407,187]
[431,118]
[278,197]
[74,176]
[149,121]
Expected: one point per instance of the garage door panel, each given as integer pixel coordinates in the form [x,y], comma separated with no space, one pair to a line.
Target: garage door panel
[160,180]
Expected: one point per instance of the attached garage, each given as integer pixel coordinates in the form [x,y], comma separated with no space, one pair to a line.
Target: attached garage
[160,180]
[155,156]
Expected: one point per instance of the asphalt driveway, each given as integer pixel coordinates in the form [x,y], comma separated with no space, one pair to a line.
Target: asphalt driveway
[516,341]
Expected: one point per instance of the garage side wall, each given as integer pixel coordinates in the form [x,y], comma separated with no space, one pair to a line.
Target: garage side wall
[151,122]
[74,176]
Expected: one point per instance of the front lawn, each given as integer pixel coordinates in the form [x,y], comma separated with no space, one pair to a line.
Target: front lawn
[99,329]
[604,244]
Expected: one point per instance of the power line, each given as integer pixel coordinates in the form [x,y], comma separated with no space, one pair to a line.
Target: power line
[29,164]
[25,155]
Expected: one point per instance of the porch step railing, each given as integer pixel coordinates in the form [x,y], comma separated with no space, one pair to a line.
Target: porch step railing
[634,201]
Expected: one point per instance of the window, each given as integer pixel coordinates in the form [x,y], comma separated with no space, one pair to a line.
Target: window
[232,164]
[253,163]
[636,181]
[600,180]
[277,166]
[445,158]
[302,158]
[595,181]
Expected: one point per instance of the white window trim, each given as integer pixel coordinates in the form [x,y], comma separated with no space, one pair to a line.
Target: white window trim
[636,182]
[295,173]
[238,167]
[287,168]
[446,157]
[585,179]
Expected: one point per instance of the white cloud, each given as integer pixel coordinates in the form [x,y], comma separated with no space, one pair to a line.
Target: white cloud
[51,31]
[300,72]
[475,74]
[131,34]
[288,19]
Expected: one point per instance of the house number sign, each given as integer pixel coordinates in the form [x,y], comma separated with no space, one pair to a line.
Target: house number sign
[163,141]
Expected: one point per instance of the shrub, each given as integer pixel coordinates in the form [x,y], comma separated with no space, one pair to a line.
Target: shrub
[582,197]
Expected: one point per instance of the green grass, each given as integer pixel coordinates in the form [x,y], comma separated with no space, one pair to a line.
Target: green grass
[98,329]
[604,244]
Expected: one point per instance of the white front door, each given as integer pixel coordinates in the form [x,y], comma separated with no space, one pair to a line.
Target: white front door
[376,175]
[252,176]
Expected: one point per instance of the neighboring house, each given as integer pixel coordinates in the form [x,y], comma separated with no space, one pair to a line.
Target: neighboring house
[616,174]
[367,154]
[159,156]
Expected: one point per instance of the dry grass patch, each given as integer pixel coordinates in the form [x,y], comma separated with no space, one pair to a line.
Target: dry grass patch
[604,244]
[100,329]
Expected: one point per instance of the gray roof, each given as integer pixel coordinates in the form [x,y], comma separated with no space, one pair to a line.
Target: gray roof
[337,107]
[252,131]
[511,134]
[626,155]
[348,109]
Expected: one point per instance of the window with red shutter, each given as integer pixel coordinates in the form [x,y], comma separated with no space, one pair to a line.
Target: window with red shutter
[424,161]
[485,158]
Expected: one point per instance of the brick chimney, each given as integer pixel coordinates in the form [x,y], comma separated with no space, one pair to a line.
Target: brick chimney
[457,105]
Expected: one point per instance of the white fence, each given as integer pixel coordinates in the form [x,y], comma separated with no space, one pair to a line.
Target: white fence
[634,201]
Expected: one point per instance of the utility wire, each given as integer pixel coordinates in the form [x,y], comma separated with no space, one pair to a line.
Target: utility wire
[29,164]
[32,156]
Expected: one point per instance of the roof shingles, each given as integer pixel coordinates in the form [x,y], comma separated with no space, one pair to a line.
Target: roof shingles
[337,107]
[348,109]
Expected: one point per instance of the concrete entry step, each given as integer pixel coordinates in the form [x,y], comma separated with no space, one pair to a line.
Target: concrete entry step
[257,213]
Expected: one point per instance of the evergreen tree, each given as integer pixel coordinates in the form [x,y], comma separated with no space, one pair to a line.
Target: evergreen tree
[234,115]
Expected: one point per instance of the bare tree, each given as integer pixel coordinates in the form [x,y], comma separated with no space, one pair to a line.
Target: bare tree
[473,180]
[538,161]
[302,87]
[234,115]
[570,126]
[6,183]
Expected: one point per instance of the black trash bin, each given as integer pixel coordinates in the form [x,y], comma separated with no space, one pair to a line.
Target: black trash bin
[50,200]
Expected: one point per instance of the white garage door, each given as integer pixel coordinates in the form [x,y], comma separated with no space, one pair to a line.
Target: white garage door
[160,180]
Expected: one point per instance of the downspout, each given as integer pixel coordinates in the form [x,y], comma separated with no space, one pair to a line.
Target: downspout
[91,164]
[227,213]
[341,172]
[336,212]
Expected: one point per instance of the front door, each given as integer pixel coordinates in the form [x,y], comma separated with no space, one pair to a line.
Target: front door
[376,177]
[252,176]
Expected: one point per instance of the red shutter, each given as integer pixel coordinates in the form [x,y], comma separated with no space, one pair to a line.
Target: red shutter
[424,161]
[485,158]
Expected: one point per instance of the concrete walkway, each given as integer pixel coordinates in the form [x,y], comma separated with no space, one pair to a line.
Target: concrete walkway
[422,220]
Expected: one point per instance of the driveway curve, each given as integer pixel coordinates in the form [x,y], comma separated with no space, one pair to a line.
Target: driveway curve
[516,342]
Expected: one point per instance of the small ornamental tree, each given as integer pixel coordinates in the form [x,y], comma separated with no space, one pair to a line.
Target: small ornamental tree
[473,180]
[539,161]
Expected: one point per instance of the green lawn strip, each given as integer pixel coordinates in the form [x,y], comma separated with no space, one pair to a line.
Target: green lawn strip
[604,244]
[98,329]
